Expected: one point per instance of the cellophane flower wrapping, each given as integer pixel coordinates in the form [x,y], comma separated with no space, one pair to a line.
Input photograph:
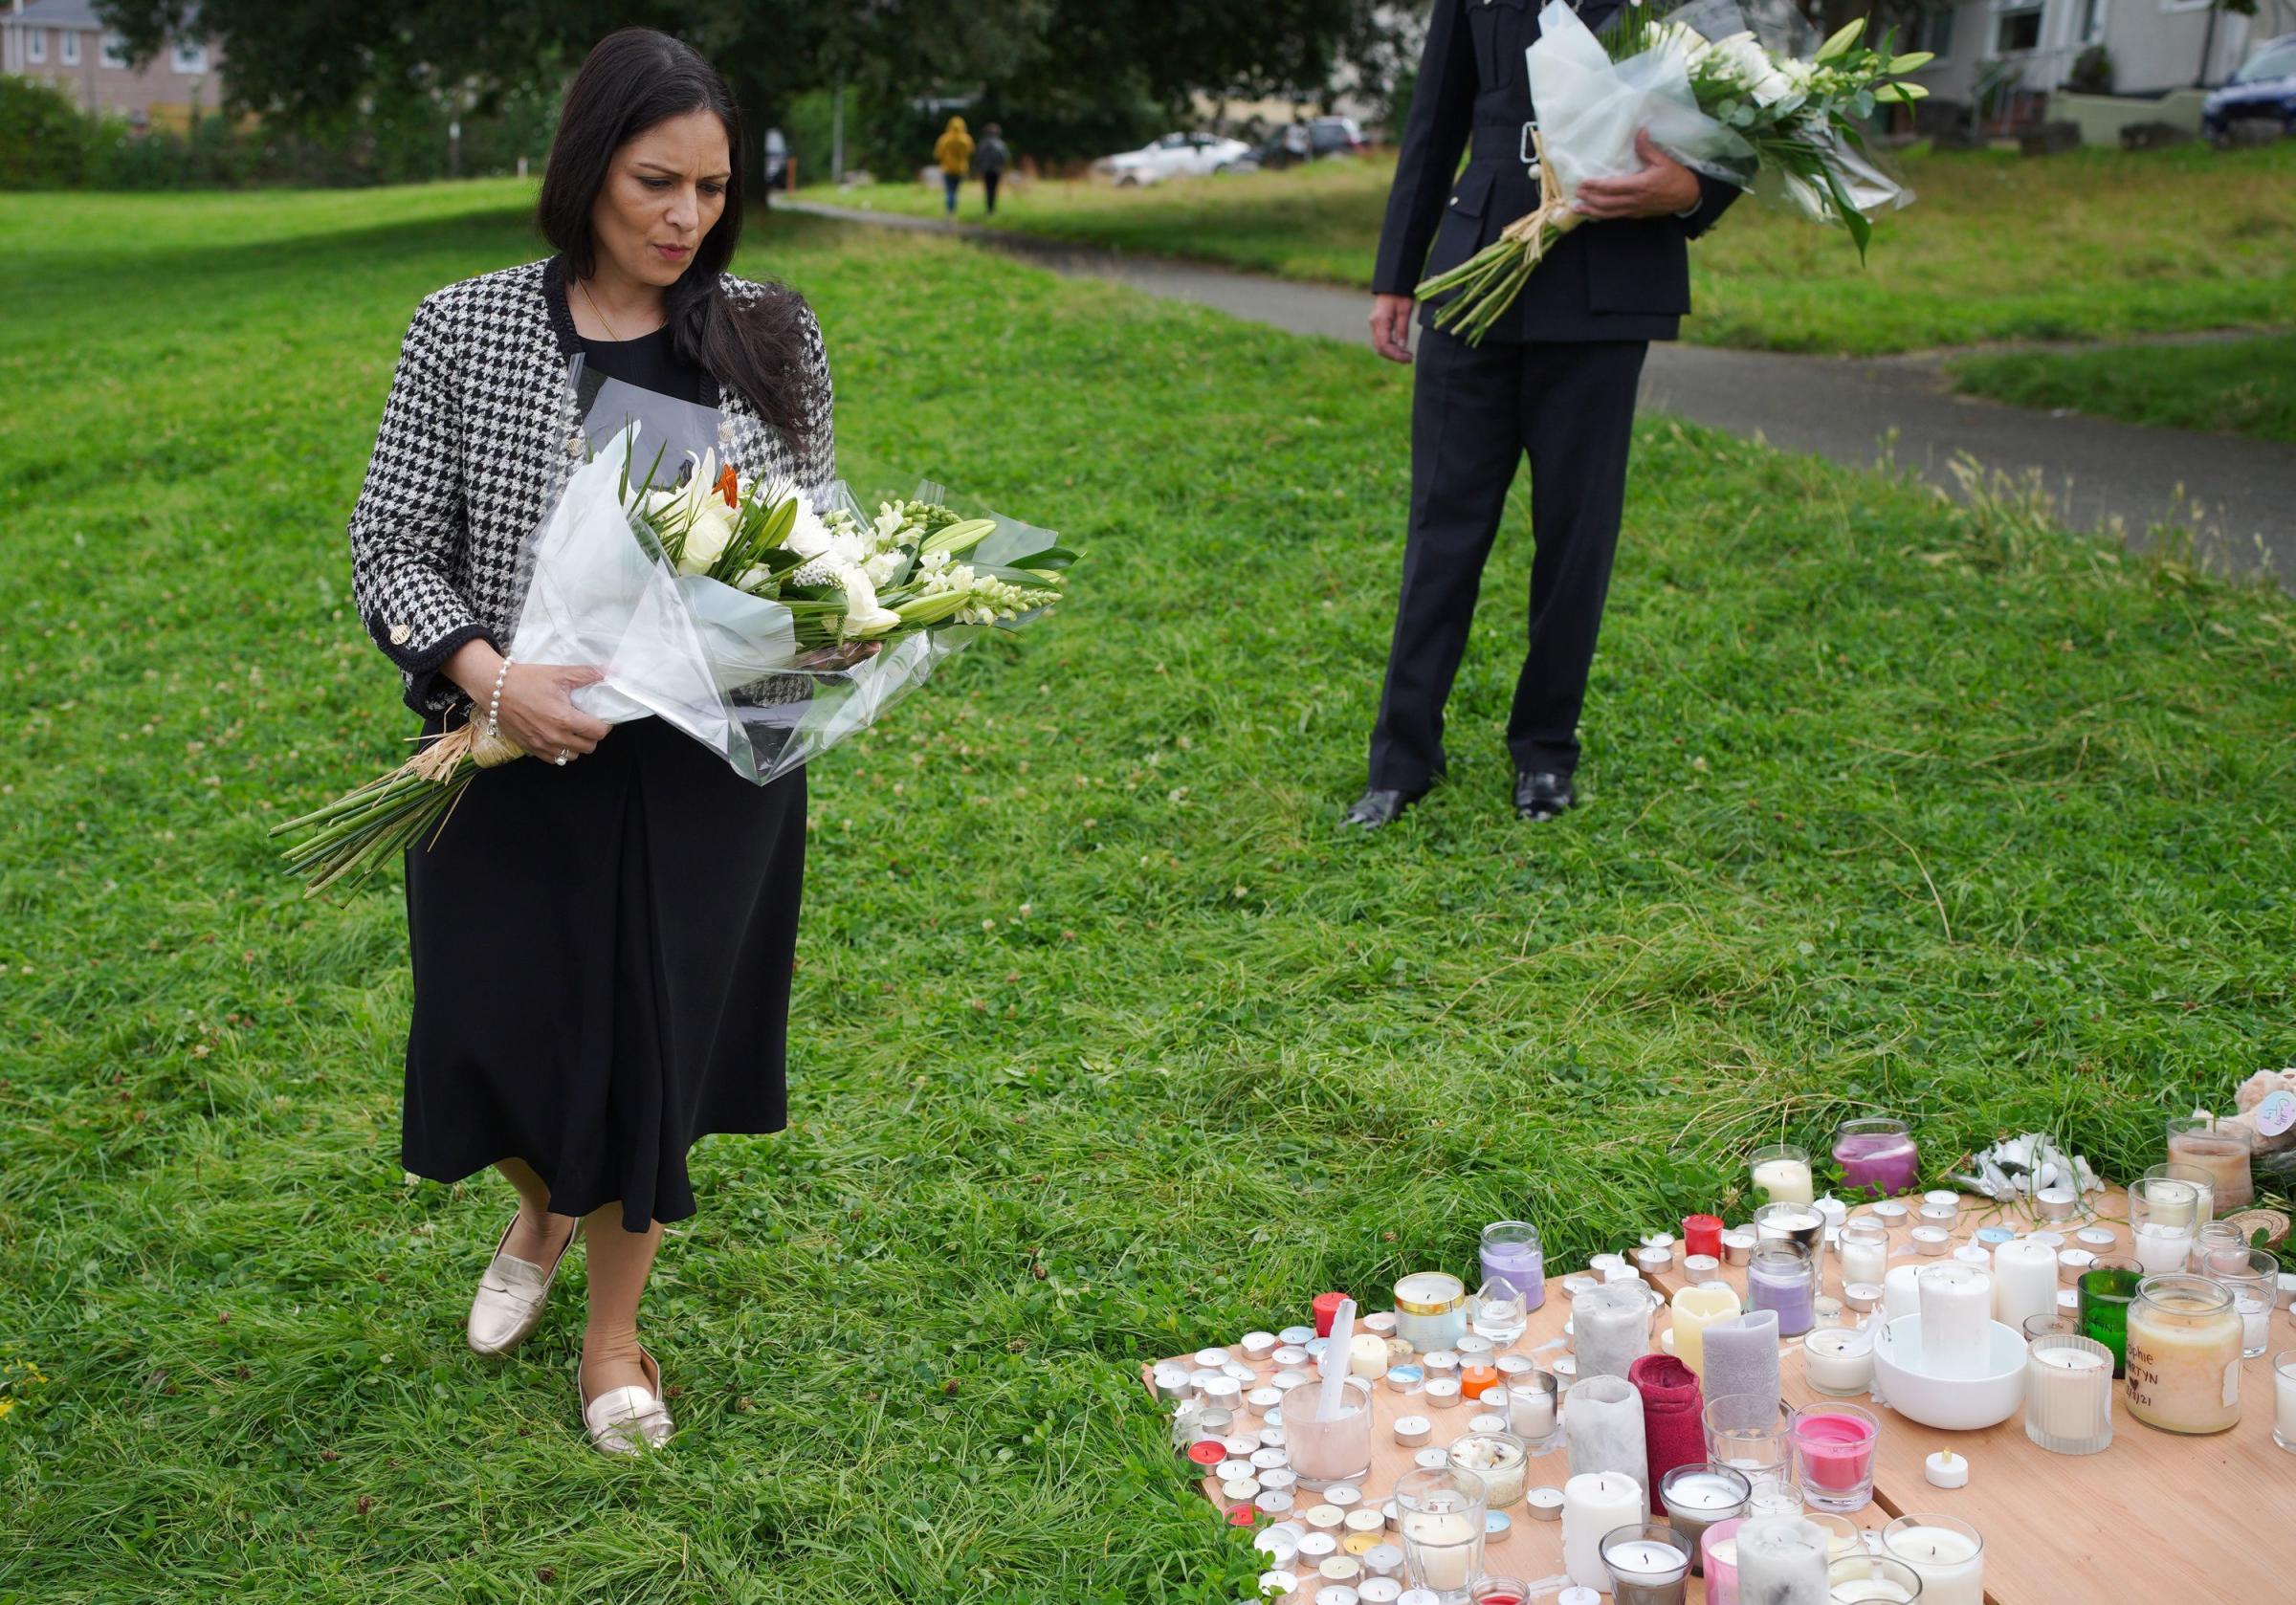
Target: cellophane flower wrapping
[718,662]
[1590,108]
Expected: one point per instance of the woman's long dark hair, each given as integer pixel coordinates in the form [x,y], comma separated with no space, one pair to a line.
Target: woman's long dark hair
[632,79]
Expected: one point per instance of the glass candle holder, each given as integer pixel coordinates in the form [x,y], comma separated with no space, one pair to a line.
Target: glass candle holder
[1430,1309]
[1441,1518]
[1498,1591]
[2162,1212]
[1498,1313]
[1500,1458]
[1855,1580]
[1698,1496]
[1833,1444]
[2197,1140]
[2205,1208]
[1797,1224]
[1865,1248]
[1838,1362]
[1531,1407]
[1333,1451]
[1783,1278]
[1949,1555]
[2104,1295]
[1751,1434]
[1512,1253]
[2068,1394]
[2283,1400]
[1878,1158]
[1782,1175]
[1649,1564]
[2252,1276]
[2184,1355]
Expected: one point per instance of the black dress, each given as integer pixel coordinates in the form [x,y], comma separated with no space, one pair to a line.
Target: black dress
[602,952]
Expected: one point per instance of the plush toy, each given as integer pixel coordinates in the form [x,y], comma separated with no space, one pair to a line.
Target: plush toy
[2251,1095]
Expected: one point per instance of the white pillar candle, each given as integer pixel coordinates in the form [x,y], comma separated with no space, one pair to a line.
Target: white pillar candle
[1957,1320]
[1950,1562]
[1594,1506]
[1781,1561]
[2162,1247]
[2024,1282]
[1695,1307]
[1899,1294]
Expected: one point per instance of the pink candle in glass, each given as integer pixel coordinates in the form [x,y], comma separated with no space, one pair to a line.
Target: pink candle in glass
[1878,1158]
[1718,1559]
[1837,1450]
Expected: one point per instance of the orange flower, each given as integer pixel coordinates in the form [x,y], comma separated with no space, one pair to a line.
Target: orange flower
[729,486]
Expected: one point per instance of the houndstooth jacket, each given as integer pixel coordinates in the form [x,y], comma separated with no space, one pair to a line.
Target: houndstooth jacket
[478,436]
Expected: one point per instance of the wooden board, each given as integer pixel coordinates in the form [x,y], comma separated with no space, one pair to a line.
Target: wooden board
[1533,1550]
[2130,1524]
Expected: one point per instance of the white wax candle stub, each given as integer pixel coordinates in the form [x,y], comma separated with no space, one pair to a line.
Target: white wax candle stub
[1946,1470]
[1432,1459]
[1412,1429]
[1546,1504]
[2096,1237]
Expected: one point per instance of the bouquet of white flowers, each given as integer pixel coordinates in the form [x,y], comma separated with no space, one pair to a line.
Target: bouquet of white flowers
[1724,105]
[763,627]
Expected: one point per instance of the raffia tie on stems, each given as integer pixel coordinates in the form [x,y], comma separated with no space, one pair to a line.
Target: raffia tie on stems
[438,760]
[1489,280]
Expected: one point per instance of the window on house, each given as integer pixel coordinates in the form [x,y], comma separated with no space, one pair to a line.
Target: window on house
[111,50]
[2092,21]
[2017,31]
[1934,33]
[193,58]
[35,44]
[70,37]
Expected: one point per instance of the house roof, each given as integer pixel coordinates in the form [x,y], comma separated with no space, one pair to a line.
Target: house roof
[57,13]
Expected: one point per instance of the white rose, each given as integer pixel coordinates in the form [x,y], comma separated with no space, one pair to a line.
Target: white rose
[809,536]
[706,536]
[883,569]
[863,617]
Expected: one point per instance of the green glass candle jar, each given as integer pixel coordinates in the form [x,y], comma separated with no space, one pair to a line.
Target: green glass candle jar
[2107,1289]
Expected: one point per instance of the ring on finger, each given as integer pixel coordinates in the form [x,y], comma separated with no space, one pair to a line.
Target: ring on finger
[564,757]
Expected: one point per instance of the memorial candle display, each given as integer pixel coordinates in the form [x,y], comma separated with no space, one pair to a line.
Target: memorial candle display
[1956,1321]
[1878,1158]
[1782,1280]
[1782,1175]
[1694,1309]
[2184,1355]
[2068,1394]
[2024,1282]
[1511,1252]
[1594,1505]
[1947,1555]
[1699,1495]
[1781,1560]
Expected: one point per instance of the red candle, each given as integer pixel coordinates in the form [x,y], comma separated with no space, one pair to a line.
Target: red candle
[1702,1234]
[1240,1516]
[1326,1306]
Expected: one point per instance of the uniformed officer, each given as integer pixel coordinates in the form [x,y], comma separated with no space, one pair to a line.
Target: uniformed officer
[1556,377]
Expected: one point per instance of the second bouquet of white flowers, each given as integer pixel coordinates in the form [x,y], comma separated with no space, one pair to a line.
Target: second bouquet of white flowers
[762,625]
[1719,101]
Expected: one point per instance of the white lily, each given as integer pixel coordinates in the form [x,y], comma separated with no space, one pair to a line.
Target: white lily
[863,616]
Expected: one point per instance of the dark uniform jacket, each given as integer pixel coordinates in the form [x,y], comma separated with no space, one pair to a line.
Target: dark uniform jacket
[1627,278]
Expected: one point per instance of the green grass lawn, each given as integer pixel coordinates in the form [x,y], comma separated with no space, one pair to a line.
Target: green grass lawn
[1996,247]
[2242,386]
[1107,1044]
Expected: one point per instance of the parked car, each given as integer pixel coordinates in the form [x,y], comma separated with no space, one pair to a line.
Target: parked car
[1175,156]
[1305,142]
[2263,88]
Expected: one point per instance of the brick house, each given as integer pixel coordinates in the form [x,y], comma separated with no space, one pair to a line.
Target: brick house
[63,43]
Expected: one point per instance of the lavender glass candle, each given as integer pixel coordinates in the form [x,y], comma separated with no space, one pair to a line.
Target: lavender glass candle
[1511,1252]
[1878,1158]
[1782,1280]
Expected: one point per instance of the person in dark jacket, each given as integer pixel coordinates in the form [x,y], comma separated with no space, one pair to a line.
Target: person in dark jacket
[1555,378]
[990,161]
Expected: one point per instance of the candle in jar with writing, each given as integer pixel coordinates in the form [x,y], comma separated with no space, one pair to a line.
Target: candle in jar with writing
[2184,1355]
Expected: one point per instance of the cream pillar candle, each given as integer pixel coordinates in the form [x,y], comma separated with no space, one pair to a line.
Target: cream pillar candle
[1594,1506]
[1696,1307]
[1899,1292]
[1947,1555]
[2024,1282]
[1957,1320]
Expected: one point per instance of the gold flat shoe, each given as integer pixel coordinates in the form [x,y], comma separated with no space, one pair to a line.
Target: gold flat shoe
[509,1304]
[627,1421]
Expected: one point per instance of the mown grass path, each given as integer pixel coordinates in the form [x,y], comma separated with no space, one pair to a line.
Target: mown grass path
[1108,1044]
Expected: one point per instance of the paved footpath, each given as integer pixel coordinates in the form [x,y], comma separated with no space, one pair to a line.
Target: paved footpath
[2240,494]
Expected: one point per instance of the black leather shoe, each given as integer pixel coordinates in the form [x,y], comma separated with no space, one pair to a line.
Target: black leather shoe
[1376,807]
[1541,794]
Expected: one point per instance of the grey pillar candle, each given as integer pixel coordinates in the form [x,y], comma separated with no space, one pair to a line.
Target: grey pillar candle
[1610,1329]
[1603,1424]
[1781,1561]
[1740,1355]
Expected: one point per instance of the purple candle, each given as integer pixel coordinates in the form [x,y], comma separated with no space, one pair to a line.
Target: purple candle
[1783,1279]
[1512,1254]
[1878,1158]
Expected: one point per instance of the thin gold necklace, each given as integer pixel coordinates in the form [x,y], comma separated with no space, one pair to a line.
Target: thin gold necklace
[599,311]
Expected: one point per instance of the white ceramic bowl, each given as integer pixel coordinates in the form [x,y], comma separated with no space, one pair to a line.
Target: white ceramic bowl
[1951,1404]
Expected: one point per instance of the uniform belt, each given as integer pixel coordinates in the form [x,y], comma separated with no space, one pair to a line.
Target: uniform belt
[1502,142]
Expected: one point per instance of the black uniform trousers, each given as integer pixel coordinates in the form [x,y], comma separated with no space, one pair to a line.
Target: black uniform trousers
[1474,411]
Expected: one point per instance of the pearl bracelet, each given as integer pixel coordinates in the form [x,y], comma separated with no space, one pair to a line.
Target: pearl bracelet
[494,703]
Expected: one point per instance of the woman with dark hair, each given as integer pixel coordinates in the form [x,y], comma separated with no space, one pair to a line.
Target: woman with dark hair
[602,944]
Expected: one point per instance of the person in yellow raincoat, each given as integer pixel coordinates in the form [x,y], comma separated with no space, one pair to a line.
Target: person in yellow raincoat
[954,152]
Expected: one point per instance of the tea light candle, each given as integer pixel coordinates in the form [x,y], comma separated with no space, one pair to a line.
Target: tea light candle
[1565,1368]
[1594,1505]
[1365,1518]
[1400,1351]
[1440,1363]
[2072,1262]
[1737,1244]
[1487,1423]
[1941,1215]
[1412,1429]
[1614,1275]
[1267,1459]
[1345,1496]
[1889,1212]
[1405,1380]
[1930,1239]
[1380,1321]
[1946,1470]
[1473,1348]
[1993,1237]
[1432,1459]
[1382,1560]
[1240,1490]
[2095,1237]
[1278,1582]
[1545,1502]
[1497,1526]
[1341,1568]
[1513,1368]
[1947,1555]
[2047,1240]
[1324,1518]
[1315,1547]
[1839,1360]
[1290,1357]
[1862,1296]
[1580,1283]
[1653,1261]
[1357,1545]
[1975,1254]
[1443,1392]
[1601,1262]
[1701,1268]
[1478,1379]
